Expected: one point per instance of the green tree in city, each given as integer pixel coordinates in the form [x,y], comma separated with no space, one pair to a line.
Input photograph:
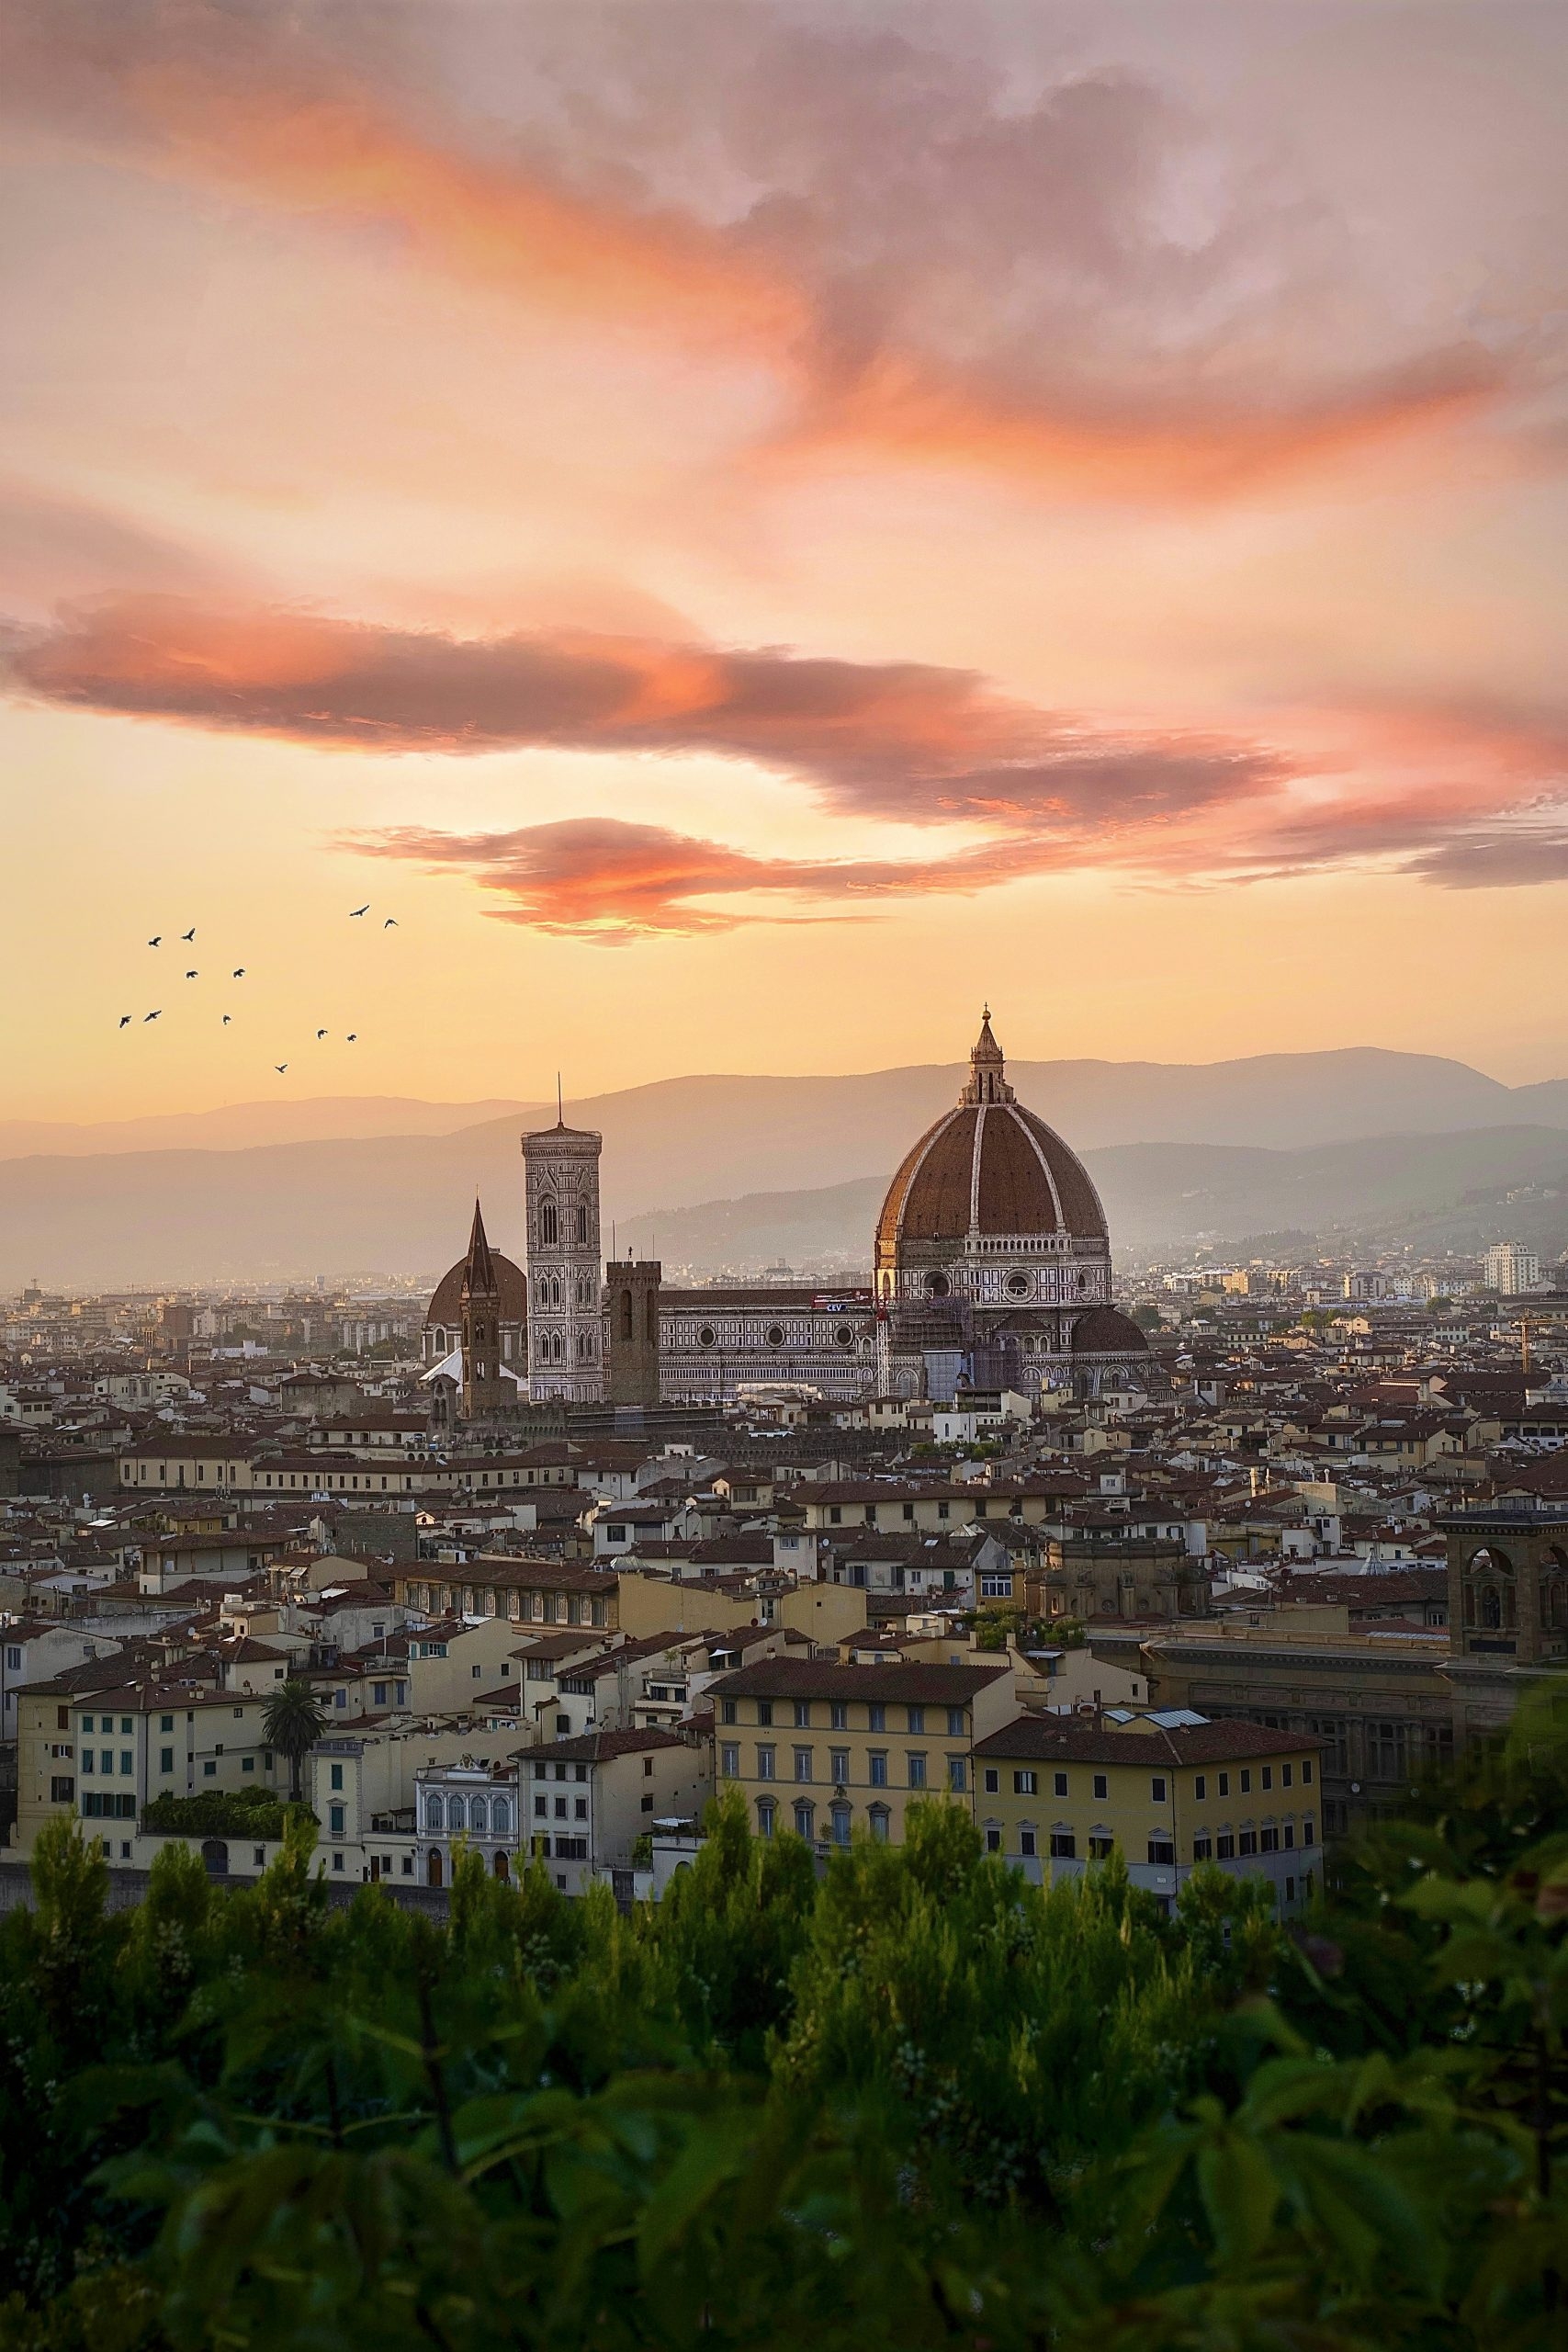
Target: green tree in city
[292,1722]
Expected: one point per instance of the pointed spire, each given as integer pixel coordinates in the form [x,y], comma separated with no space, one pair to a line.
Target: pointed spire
[479,1274]
[987,1068]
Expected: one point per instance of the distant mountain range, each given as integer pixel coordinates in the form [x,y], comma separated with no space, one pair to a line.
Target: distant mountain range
[723,1171]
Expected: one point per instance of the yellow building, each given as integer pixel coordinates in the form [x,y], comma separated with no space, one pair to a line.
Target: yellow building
[1055,1792]
[826,1749]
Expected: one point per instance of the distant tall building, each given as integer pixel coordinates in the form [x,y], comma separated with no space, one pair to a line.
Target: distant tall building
[1511,1268]
[566,1329]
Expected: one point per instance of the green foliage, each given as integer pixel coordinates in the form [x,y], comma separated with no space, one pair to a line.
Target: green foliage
[910,2102]
[293,1721]
[217,1813]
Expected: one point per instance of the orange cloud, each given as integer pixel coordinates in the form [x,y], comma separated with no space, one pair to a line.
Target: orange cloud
[847,303]
[609,882]
[910,741]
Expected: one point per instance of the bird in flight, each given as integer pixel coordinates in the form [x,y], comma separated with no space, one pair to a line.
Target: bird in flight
[238,973]
[190,934]
[157,943]
[125,1020]
[351,1037]
[152,1016]
[227,1018]
[320,1034]
[355,912]
[280,1068]
[390,923]
[190,975]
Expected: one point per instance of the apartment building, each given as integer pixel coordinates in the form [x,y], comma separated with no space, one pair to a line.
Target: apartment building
[1168,1792]
[824,1748]
[588,1800]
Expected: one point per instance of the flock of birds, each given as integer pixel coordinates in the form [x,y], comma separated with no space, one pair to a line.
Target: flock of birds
[187,938]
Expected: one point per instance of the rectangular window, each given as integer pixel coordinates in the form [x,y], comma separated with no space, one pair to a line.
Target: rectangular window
[541,1807]
[1306,1774]
[1246,1782]
[1063,1846]
[166,1760]
[1025,1783]
[1269,1842]
[335,1817]
[1224,1847]
[993,1779]
[838,1763]
[1156,1788]
[1247,1842]
[1224,1784]
[917,1719]
[1059,1783]
[210,1771]
[764,1763]
[802,1714]
[165,1723]
[803,1763]
[726,1712]
[764,1711]
[917,1771]
[61,1791]
[957,1776]
[838,1716]
[1202,1846]
[993,1841]
[878,1762]
[955,1722]
[1287,1774]
[1161,1848]
[1307,1837]
[1290,1836]
[1026,1842]
[127,1761]
[729,1763]
[1268,1776]
[1101,1784]
[337,1776]
[1101,1848]
[876,1716]
[87,1760]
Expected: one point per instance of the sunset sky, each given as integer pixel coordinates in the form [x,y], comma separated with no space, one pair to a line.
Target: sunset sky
[745,530]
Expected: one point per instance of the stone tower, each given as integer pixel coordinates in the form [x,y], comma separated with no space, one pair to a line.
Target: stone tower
[566,1324]
[484,1391]
[631,1321]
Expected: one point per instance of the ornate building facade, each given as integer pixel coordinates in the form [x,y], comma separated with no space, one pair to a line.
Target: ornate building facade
[991,1268]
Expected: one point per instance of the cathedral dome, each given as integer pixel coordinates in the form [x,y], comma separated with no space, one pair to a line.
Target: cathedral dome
[988,1168]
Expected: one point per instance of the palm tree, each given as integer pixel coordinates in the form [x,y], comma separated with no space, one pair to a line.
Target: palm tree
[293,1722]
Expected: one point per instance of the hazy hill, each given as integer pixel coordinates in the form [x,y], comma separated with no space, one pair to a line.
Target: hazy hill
[668,1140]
[401,1203]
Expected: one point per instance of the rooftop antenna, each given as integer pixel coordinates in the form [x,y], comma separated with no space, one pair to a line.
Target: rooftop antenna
[560,1113]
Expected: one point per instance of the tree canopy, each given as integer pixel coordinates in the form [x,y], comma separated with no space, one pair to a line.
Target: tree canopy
[912,2102]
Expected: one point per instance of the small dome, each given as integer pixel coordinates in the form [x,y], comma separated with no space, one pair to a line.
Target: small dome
[1106,1331]
[447,1306]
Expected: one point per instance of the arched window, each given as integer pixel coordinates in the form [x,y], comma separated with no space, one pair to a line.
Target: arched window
[479,1816]
[805,1818]
[500,1817]
[549,1223]
[582,1223]
[433,1815]
[767,1815]
[653,1320]
[878,1818]
[555,1290]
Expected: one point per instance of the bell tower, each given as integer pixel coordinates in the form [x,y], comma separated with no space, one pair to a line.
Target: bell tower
[566,1322]
[631,1305]
[484,1391]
